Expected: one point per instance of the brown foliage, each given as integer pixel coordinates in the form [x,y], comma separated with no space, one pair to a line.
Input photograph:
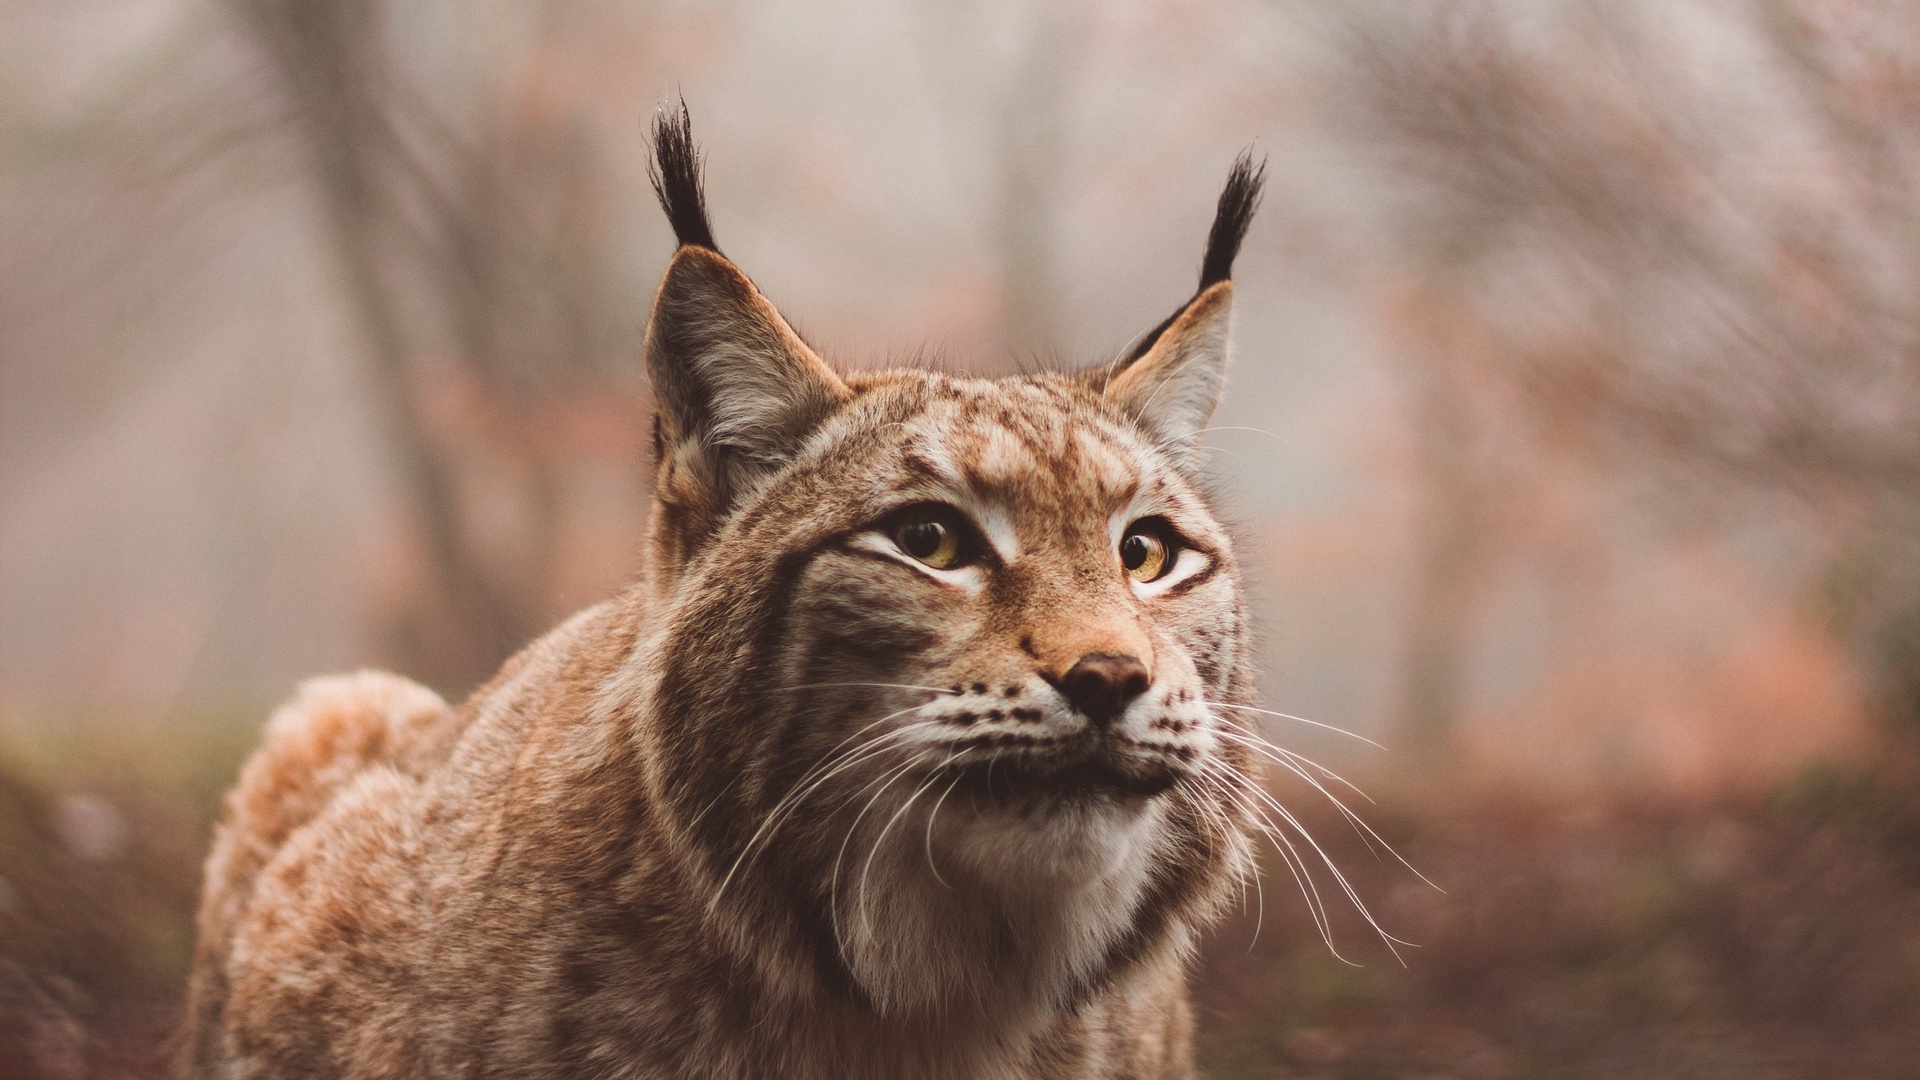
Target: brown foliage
[1644,939]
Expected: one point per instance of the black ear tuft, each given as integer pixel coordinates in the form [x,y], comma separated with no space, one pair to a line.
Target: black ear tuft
[1237,203]
[675,172]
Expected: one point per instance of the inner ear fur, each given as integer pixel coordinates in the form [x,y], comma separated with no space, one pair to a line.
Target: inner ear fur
[1171,389]
[736,392]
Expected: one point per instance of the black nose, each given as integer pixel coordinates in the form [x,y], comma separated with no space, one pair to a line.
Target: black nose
[1101,684]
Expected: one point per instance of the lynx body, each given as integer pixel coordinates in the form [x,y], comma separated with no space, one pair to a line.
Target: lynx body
[901,761]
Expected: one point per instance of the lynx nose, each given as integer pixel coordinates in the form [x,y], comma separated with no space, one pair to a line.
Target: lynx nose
[1101,684]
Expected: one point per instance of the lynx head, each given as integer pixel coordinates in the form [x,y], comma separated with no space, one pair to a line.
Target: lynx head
[931,688]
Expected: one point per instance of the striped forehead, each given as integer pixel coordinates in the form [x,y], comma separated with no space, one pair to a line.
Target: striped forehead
[1022,447]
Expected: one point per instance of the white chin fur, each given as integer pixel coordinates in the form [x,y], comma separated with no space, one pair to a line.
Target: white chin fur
[1059,849]
[996,906]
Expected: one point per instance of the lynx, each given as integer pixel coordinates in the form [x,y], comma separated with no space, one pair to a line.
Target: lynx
[911,754]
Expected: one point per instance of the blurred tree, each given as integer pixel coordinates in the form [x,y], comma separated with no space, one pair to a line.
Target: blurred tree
[1451,520]
[1689,229]
[494,240]
[1024,142]
[1032,159]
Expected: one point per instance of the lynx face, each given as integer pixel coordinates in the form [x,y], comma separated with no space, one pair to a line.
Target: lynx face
[1073,606]
[941,650]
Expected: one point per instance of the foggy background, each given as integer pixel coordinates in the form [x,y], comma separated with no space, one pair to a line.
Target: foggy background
[1571,442]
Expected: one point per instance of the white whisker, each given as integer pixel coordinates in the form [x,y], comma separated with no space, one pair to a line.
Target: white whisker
[1353,897]
[859,755]
[866,871]
[1287,758]
[1238,427]
[1295,863]
[791,802]
[833,883]
[1202,783]
[1295,719]
[1280,755]
[930,820]
[1254,738]
[883,685]
[828,766]
[695,821]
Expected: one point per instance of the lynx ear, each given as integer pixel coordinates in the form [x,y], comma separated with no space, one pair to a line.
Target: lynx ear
[732,382]
[1171,381]
[735,389]
[1174,386]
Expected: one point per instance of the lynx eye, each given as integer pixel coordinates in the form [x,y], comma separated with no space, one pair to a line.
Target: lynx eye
[1147,550]
[931,535]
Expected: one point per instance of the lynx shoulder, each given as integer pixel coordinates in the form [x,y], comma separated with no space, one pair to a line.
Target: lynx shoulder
[907,757]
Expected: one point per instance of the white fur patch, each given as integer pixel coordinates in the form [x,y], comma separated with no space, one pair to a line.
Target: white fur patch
[968,577]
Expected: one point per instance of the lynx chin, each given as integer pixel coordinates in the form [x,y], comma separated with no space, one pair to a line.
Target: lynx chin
[912,754]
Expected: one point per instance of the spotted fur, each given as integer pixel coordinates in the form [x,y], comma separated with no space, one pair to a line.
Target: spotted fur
[796,804]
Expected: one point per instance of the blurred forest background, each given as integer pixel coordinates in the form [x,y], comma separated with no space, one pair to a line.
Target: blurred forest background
[1573,444]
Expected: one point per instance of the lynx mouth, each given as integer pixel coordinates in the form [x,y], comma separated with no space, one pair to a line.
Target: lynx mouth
[1026,768]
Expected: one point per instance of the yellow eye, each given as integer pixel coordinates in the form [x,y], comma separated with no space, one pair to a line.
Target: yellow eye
[1145,552]
[929,539]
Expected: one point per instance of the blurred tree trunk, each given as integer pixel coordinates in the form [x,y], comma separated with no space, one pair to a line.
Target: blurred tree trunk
[1024,142]
[1031,154]
[332,65]
[1449,524]
[491,244]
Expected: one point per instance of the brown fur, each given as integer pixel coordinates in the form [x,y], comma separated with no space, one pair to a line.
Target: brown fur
[744,820]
